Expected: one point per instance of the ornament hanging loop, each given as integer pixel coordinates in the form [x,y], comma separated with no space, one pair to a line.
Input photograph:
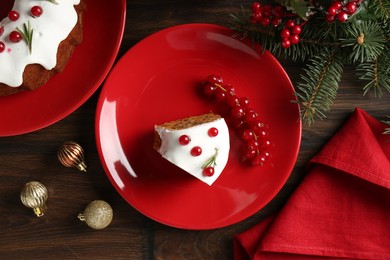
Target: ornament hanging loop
[71,154]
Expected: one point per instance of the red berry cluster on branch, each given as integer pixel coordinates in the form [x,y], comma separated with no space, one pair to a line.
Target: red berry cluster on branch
[243,118]
[267,15]
[278,17]
[341,10]
[290,33]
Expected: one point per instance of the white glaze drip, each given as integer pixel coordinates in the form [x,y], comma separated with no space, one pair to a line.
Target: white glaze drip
[52,27]
[180,155]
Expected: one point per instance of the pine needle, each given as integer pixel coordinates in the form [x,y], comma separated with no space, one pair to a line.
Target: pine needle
[319,85]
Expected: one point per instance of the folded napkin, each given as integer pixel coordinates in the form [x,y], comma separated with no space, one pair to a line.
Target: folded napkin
[342,207]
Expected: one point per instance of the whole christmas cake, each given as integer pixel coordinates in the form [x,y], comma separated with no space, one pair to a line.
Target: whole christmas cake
[37,39]
[199,145]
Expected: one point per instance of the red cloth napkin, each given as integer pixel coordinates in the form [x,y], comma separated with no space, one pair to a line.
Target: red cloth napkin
[342,207]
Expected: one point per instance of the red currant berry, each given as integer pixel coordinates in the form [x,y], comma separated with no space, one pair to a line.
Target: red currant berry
[296,30]
[276,21]
[209,89]
[220,95]
[265,21]
[294,39]
[350,8]
[232,100]
[251,116]
[13,16]
[237,112]
[330,18]
[278,11]
[36,11]
[15,36]
[286,43]
[213,79]
[285,33]
[196,151]
[213,132]
[266,11]
[249,154]
[289,24]
[259,160]
[265,144]
[332,10]
[252,144]
[342,16]
[238,123]
[337,5]
[261,133]
[208,171]
[244,102]
[255,7]
[1,30]
[257,127]
[256,17]
[184,140]
[229,89]
[2,46]
[247,134]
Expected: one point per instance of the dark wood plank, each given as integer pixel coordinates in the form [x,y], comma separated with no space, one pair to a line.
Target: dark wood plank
[131,235]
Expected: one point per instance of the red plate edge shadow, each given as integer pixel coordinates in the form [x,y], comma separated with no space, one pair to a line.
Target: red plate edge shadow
[92,60]
[146,87]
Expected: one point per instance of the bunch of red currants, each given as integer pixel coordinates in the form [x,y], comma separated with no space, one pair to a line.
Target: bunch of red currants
[245,120]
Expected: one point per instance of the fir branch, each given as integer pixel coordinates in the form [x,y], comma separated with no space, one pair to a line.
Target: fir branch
[381,9]
[365,39]
[362,41]
[377,73]
[320,85]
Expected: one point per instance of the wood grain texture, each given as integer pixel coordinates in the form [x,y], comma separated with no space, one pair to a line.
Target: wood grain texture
[131,235]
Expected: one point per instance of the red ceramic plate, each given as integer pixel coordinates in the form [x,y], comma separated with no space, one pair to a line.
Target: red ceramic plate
[156,81]
[30,111]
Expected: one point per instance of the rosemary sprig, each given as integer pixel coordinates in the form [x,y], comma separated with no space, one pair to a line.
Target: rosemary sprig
[27,34]
[53,1]
[212,161]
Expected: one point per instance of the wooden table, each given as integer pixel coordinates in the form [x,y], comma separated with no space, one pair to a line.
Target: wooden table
[131,235]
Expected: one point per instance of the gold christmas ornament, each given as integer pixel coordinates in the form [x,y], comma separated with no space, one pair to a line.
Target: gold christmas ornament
[34,195]
[98,214]
[71,154]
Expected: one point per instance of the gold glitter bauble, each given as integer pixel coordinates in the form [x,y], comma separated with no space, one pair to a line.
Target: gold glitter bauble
[34,195]
[71,154]
[98,214]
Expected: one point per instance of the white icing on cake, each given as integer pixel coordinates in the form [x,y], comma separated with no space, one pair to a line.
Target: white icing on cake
[180,155]
[49,29]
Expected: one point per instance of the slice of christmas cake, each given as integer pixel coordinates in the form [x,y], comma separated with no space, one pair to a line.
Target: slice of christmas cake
[198,144]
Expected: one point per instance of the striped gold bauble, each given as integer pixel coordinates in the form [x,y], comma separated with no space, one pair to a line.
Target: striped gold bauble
[71,154]
[34,195]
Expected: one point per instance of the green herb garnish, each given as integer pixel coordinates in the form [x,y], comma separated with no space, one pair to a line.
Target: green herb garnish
[212,161]
[27,34]
[52,1]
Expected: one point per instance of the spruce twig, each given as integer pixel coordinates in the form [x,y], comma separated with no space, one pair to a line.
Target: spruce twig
[362,41]
[316,96]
